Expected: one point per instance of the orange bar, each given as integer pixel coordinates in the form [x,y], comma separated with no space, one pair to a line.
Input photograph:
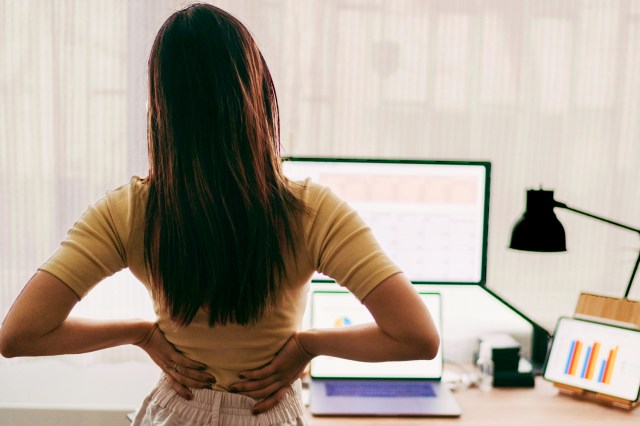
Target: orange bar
[592,360]
[609,368]
[576,356]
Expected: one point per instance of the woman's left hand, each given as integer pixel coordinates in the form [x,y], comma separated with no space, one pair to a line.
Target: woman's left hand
[182,372]
[271,382]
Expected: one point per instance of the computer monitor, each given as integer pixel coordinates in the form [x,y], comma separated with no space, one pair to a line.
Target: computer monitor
[430,217]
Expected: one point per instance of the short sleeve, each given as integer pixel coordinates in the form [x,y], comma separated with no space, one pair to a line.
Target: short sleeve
[342,246]
[94,247]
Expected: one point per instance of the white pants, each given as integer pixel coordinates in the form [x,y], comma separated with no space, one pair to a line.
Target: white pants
[165,407]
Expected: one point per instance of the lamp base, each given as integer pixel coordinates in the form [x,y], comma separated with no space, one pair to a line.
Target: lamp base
[611,308]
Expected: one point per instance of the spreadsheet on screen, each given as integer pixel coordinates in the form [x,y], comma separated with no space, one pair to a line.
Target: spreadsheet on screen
[429,217]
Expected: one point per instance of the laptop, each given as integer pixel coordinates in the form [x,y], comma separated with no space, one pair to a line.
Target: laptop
[342,387]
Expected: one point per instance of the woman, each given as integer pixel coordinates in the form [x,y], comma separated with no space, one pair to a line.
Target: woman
[225,245]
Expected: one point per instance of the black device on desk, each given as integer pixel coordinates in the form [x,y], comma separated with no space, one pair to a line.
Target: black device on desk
[509,369]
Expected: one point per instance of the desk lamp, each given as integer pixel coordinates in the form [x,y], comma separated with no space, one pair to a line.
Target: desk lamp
[540,230]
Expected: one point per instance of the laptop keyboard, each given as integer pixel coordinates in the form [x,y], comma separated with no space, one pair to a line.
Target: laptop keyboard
[385,390]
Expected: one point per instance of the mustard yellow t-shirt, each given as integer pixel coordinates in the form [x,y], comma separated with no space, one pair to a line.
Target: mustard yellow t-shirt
[336,242]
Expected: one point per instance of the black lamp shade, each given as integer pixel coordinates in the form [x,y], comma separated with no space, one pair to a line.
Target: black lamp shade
[539,229]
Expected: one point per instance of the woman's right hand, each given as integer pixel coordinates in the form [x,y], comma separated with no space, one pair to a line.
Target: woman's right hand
[182,372]
[271,383]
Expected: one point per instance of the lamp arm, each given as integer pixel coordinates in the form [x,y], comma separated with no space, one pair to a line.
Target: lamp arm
[633,275]
[612,222]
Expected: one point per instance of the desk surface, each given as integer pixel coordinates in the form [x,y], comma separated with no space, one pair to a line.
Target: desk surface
[541,405]
[97,391]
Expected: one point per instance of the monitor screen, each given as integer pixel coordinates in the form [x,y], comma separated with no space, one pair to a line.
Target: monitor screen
[597,357]
[336,309]
[430,217]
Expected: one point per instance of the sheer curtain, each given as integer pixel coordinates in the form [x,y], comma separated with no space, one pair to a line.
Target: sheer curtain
[547,91]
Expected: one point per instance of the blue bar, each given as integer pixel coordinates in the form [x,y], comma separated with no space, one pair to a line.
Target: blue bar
[573,347]
[586,363]
[601,375]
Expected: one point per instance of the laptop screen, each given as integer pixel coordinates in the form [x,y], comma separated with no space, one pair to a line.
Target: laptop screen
[430,217]
[337,309]
[597,357]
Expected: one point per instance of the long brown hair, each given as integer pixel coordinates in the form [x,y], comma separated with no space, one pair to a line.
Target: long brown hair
[220,216]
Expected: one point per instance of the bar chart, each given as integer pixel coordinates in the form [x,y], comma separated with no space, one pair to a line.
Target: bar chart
[586,366]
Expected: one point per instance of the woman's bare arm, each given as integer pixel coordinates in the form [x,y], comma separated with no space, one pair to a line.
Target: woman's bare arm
[38,324]
[403,328]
